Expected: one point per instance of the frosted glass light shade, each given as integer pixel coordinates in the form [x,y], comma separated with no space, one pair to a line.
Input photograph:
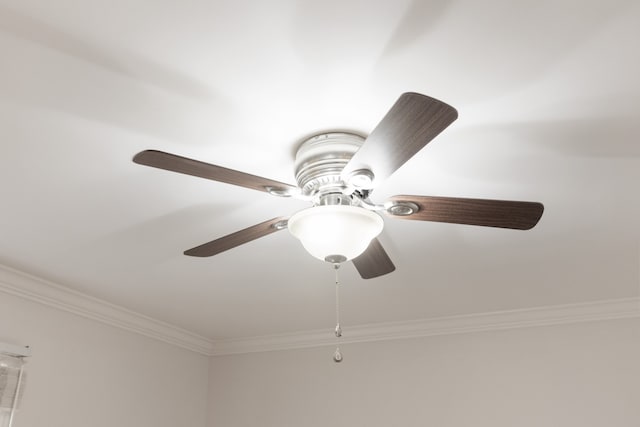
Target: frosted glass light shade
[335,230]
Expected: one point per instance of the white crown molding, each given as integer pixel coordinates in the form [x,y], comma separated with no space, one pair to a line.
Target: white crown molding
[45,292]
[543,316]
[42,291]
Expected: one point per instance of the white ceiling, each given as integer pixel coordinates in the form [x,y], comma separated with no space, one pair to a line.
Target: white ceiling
[548,99]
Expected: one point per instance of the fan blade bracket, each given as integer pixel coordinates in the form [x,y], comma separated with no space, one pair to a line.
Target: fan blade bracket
[280,225]
[361,179]
[401,208]
[281,191]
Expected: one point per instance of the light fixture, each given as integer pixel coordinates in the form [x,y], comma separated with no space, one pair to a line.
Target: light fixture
[335,233]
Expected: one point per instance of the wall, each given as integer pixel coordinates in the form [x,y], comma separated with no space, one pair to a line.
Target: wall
[582,375]
[84,373]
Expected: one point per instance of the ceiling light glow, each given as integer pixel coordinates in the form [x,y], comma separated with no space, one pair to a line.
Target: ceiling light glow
[331,231]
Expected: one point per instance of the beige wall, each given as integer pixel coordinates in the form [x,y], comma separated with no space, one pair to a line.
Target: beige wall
[84,373]
[577,375]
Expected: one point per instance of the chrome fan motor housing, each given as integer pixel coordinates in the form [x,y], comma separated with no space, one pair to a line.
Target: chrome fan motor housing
[321,158]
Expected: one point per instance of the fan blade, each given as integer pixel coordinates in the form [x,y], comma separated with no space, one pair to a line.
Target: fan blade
[374,262]
[174,163]
[412,122]
[488,213]
[238,238]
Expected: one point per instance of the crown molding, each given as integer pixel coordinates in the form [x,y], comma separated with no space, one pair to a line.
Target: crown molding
[45,292]
[512,319]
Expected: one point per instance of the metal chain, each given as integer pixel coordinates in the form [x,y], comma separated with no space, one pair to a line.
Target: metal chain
[337,266]
[337,355]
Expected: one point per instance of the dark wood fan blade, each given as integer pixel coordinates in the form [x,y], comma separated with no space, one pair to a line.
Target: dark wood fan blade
[412,122]
[175,163]
[238,238]
[374,262]
[488,213]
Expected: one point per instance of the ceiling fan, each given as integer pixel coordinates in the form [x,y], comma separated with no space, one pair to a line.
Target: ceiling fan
[337,172]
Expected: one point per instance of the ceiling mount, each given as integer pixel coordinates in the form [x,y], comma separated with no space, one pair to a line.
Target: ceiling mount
[338,171]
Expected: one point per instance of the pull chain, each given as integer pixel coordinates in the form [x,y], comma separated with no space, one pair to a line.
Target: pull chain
[337,355]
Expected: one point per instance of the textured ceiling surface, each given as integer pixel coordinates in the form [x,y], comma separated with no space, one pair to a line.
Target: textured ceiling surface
[548,99]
